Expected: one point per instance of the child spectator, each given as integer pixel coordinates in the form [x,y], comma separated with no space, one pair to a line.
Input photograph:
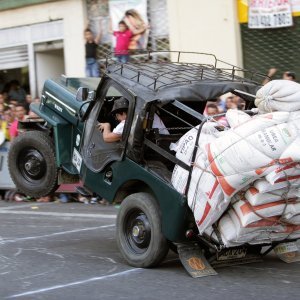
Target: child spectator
[91,45]
[123,37]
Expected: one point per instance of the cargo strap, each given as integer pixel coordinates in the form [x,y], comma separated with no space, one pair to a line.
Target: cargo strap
[218,235]
[166,154]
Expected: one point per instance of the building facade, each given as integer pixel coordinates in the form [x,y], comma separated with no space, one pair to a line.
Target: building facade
[41,39]
[44,38]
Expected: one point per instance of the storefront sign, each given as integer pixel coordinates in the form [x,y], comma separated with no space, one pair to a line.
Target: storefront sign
[270,14]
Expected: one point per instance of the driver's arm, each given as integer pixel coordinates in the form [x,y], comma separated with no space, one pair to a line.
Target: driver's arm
[108,135]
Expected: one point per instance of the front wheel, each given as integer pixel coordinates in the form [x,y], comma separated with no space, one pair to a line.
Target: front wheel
[32,164]
[139,235]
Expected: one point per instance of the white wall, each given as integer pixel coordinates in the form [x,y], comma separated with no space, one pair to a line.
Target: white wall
[49,64]
[206,26]
[72,14]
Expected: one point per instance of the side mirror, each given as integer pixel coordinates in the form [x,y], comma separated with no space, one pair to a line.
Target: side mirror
[82,94]
[91,95]
[91,100]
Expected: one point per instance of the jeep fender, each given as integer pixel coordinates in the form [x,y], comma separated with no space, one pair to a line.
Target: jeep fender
[61,129]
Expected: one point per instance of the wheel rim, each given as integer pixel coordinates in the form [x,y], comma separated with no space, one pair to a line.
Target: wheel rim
[137,230]
[32,165]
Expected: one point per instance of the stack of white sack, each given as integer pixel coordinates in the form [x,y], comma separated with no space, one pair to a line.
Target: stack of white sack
[269,209]
[264,223]
[258,156]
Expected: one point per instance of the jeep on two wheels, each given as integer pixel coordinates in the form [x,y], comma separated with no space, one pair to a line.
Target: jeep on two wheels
[136,171]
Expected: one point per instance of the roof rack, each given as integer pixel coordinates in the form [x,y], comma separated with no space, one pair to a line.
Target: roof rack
[155,74]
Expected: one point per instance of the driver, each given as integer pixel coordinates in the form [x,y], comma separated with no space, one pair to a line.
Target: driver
[119,111]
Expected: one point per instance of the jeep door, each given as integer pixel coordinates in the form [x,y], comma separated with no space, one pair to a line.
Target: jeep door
[96,153]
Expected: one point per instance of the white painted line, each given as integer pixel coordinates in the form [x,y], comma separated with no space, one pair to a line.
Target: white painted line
[55,287]
[3,242]
[56,214]
[23,205]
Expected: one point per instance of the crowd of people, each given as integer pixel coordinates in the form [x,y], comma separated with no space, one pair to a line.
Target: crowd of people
[15,107]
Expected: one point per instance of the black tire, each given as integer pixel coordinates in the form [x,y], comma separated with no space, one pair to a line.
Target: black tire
[32,164]
[150,247]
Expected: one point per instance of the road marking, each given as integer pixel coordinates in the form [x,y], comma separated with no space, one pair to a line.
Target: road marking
[55,287]
[3,242]
[23,205]
[56,214]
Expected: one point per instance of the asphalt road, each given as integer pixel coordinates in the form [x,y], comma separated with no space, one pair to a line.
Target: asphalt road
[68,251]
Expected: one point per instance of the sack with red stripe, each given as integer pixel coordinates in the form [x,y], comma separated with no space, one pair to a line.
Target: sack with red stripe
[283,171]
[205,197]
[290,182]
[233,233]
[254,197]
[249,214]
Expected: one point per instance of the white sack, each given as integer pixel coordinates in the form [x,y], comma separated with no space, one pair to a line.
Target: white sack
[283,171]
[263,186]
[254,197]
[248,214]
[278,95]
[185,145]
[236,117]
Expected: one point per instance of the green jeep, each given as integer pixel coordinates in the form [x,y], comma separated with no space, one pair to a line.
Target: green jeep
[65,145]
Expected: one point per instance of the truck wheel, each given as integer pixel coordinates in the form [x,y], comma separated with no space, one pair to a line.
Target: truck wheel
[32,164]
[139,235]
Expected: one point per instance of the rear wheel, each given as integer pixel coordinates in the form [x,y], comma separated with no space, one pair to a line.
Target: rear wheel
[32,164]
[139,235]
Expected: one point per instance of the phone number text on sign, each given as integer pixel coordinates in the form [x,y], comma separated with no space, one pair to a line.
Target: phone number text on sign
[275,20]
[270,14]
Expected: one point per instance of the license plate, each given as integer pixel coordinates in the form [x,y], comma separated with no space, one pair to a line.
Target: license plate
[286,248]
[232,254]
[77,160]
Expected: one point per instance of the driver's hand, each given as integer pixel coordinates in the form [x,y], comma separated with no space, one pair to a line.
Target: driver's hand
[102,126]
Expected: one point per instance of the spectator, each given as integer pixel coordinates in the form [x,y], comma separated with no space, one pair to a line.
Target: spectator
[8,118]
[19,116]
[16,92]
[138,28]
[123,37]
[28,102]
[289,76]
[241,104]
[229,103]
[91,46]
[211,109]
[221,104]
[2,99]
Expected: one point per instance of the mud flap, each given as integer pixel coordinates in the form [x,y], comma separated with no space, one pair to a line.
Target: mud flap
[288,252]
[194,261]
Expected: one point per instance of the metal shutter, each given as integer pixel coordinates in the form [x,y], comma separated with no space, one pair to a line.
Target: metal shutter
[14,57]
[266,48]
